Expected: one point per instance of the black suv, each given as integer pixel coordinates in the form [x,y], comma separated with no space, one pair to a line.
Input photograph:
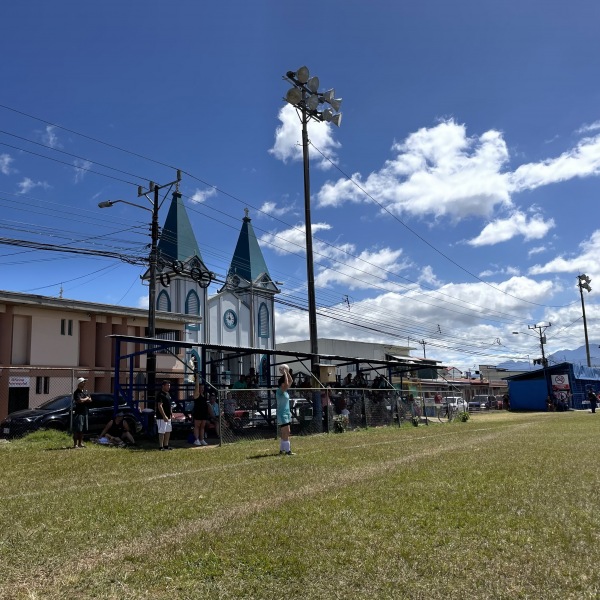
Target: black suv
[56,414]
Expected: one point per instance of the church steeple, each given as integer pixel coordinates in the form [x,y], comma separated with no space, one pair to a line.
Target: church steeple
[177,240]
[248,262]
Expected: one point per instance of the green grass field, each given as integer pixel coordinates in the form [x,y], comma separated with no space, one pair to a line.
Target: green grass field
[503,506]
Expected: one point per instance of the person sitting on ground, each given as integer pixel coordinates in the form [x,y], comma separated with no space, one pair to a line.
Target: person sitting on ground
[117,431]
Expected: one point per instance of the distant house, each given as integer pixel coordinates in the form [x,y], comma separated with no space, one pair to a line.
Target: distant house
[47,343]
[452,373]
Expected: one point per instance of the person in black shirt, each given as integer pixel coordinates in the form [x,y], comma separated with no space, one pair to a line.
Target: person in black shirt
[163,416]
[117,431]
[81,401]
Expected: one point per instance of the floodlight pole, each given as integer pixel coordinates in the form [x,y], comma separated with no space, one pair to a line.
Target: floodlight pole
[310,272]
[305,97]
[584,283]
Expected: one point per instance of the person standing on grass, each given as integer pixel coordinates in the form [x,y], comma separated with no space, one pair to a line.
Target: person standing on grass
[163,416]
[201,414]
[81,402]
[284,414]
[593,400]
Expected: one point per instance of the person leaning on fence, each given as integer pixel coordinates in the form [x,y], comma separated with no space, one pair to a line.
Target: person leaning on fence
[284,414]
[117,431]
[163,416]
[81,402]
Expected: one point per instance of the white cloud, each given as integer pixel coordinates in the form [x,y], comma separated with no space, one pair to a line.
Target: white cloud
[200,196]
[581,161]
[587,128]
[460,327]
[288,140]
[536,250]
[511,271]
[428,277]
[143,302]
[437,171]
[28,184]
[81,167]
[341,264]
[502,230]
[366,270]
[440,171]
[271,208]
[5,161]
[50,138]
[585,262]
[291,240]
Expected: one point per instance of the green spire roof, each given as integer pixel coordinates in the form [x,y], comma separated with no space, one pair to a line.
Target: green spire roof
[177,239]
[248,261]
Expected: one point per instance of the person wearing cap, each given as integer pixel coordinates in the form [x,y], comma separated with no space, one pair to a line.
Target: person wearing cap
[117,431]
[81,402]
[163,416]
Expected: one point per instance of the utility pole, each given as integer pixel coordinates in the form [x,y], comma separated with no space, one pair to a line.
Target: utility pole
[155,203]
[584,284]
[423,342]
[540,329]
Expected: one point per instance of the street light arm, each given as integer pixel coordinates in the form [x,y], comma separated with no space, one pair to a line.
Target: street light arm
[110,203]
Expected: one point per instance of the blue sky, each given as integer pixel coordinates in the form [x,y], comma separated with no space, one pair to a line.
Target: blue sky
[457,202]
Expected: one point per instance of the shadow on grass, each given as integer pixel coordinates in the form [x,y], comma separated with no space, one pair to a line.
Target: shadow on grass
[255,456]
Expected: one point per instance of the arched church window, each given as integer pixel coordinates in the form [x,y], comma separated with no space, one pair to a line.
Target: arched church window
[163,302]
[192,303]
[263,321]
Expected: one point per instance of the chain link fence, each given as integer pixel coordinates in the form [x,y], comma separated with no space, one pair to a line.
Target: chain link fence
[240,414]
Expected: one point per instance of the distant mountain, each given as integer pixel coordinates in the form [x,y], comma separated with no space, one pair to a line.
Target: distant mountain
[577,356]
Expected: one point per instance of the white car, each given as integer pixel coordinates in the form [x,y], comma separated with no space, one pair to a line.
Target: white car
[457,402]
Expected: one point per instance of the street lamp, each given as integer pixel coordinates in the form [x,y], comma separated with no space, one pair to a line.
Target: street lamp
[305,97]
[584,284]
[152,262]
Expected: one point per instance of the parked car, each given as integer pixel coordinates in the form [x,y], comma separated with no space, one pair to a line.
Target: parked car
[456,402]
[56,414]
[482,401]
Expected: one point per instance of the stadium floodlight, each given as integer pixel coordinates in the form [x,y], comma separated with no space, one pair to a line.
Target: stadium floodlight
[305,97]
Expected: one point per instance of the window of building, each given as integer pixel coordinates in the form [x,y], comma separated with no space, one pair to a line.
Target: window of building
[263,321]
[192,303]
[163,302]
[42,385]
[168,334]
[66,327]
